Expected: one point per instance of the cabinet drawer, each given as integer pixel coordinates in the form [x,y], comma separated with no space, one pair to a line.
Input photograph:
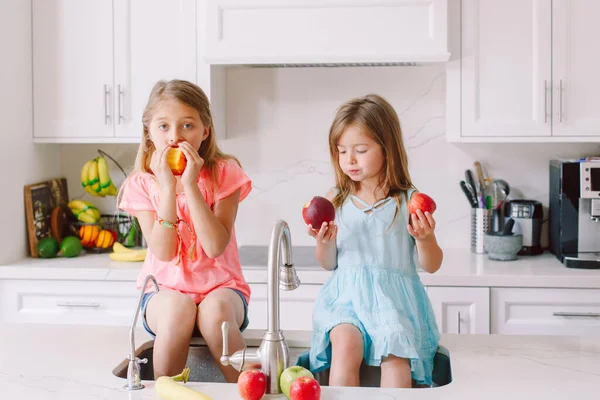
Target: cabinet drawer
[546,311]
[295,308]
[68,302]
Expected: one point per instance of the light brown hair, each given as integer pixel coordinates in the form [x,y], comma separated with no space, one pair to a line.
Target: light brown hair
[376,117]
[192,96]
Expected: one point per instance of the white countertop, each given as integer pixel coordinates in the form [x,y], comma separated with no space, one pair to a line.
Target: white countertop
[76,362]
[460,268]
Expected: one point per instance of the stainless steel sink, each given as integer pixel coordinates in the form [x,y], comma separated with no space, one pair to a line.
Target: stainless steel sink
[203,367]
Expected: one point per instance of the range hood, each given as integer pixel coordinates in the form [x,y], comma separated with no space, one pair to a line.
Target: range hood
[326,33]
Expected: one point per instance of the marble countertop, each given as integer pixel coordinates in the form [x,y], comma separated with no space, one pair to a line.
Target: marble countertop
[76,362]
[460,268]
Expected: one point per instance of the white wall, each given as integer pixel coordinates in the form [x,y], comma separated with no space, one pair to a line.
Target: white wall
[278,121]
[21,162]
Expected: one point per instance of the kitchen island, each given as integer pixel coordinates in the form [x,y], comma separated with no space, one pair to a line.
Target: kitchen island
[70,362]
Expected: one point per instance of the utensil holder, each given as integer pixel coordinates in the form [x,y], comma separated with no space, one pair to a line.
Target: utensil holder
[481,223]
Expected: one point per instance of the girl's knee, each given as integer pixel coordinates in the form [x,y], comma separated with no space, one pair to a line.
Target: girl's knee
[346,341]
[217,308]
[172,312]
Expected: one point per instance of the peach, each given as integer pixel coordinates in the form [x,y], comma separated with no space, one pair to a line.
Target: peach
[421,201]
[317,211]
[176,160]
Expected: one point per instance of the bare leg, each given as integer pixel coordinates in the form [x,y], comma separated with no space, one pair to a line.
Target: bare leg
[395,372]
[171,316]
[346,355]
[222,305]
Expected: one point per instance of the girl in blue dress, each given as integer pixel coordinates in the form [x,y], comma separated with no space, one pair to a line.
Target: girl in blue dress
[374,306]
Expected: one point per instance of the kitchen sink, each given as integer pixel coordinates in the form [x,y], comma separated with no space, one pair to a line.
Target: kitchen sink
[203,367]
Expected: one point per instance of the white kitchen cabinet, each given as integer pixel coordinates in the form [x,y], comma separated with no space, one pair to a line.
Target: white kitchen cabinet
[461,309]
[295,307]
[523,71]
[95,63]
[326,31]
[68,302]
[544,311]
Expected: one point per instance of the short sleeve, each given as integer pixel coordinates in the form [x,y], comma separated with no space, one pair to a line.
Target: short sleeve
[232,178]
[136,194]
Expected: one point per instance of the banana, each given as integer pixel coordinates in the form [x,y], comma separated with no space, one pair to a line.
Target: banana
[84,211]
[103,174]
[129,256]
[119,248]
[84,177]
[93,179]
[168,388]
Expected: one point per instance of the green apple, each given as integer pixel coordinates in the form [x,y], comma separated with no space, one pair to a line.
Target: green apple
[289,375]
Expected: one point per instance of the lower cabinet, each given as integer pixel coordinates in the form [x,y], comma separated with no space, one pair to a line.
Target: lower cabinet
[461,309]
[295,308]
[68,302]
[542,311]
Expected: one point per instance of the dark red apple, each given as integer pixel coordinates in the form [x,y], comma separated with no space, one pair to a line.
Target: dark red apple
[305,388]
[317,211]
[176,160]
[420,201]
[252,384]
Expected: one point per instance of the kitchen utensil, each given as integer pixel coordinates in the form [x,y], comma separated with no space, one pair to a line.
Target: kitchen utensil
[481,223]
[479,172]
[502,247]
[469,193]
[471,181]
[508,227]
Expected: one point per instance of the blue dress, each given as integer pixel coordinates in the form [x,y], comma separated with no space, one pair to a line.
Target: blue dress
[375,287]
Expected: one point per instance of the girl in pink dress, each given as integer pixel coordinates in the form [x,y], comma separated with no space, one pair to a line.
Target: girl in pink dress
[188,223]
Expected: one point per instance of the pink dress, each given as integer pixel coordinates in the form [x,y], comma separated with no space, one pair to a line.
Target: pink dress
[198,277]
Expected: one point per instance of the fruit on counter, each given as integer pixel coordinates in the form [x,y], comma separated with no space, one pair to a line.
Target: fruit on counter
[95,178]
[48,247]
[252,384]
[122,253]
[169,388]
[289,375]
[421,201]
[305,388]
[317,211]
[84,211]
[176,160]
[71,246]
[88,235]
[105,239]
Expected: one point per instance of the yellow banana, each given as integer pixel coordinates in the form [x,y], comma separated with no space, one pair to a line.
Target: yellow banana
[93,179]
[119,248]
[129,256]
[104,176]
[84,211]
[84,177]
[168,388]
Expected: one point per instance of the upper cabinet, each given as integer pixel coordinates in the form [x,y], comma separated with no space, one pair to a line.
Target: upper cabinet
[523,70]
[259,32]
[96,61]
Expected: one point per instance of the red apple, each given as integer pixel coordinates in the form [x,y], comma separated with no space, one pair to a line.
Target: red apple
[176,160]
[420,201]
[305,388]
[252,384]
[289,375]
[317,211]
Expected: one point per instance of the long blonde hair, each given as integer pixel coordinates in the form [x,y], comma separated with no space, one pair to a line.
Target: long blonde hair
[377,119]
[193,96]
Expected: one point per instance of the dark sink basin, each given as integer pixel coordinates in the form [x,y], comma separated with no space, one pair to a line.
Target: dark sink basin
[203,367]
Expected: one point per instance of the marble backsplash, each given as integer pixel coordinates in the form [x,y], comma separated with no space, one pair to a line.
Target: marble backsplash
[278,122]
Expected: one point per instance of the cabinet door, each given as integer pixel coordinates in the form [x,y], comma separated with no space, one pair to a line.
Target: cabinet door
[505,71]
[295,307]
[72,68]
[154,40]
[535,311]
[575,66]
[461,310]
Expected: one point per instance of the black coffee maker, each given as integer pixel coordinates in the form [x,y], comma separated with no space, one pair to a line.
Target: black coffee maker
[575,212]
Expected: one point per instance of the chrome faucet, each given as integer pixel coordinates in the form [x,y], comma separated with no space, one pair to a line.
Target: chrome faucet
[134,381]
[272,355]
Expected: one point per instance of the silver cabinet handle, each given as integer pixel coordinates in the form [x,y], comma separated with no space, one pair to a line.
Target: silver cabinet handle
[106,105]
[545,101]
[458,322]
[576,314]
[120,93]
[560,100]
[78,305]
